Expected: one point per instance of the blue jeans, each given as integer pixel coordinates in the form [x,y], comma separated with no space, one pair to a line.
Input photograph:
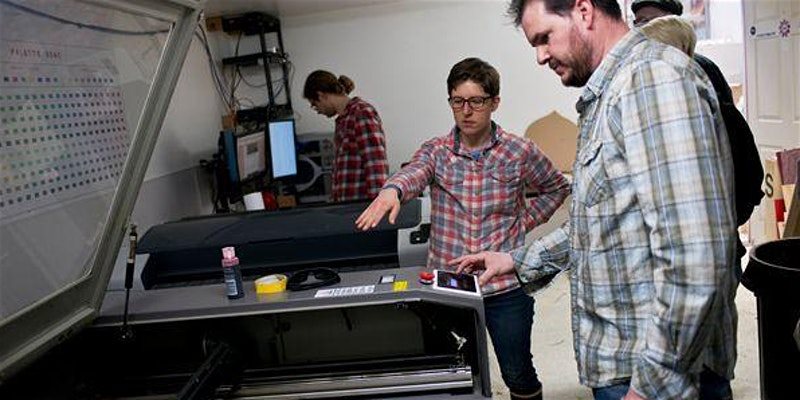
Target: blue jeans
[509,319]
[712,387]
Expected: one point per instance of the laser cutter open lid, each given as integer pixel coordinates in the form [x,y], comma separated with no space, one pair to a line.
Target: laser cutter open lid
[91,79]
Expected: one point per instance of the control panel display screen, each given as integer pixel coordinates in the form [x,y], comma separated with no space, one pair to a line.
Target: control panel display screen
[460,282]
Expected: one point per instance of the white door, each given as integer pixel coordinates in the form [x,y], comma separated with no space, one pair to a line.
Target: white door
[772,67]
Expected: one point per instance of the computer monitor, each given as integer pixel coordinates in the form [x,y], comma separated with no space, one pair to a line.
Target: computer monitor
[250,155]
[282,148]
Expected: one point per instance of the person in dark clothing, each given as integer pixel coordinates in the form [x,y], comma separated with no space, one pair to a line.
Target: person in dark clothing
[748,172]
[747,167]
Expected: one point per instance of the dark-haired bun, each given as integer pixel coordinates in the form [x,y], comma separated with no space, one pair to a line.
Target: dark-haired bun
[347,84]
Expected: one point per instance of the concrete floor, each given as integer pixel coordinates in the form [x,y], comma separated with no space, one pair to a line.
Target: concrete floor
[554,358]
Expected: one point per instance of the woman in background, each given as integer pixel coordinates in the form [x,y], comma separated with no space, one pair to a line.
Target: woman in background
[360,167]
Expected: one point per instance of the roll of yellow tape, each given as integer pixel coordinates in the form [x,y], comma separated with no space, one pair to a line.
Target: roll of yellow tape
[271,284]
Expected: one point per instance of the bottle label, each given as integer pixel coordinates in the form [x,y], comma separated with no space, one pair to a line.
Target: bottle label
[230,282]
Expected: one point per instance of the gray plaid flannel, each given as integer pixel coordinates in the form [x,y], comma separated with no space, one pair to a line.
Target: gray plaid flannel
[650,241]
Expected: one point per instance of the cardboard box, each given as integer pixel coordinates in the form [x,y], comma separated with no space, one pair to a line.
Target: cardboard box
[773,193]
[214,24]
[792,228]
[557,137]
[787,161]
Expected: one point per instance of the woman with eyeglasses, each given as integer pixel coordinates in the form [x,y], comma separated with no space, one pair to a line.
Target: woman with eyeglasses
[359,166]
[479,175]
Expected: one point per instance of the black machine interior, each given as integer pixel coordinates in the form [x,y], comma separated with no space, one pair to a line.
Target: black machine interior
[239,356]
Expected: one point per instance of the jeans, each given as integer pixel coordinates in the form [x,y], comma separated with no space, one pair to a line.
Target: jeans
[613,392]
[712,387]
[509,319]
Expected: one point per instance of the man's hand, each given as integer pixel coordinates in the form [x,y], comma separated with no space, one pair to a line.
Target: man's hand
[632,395]
[493,263]
[386,201]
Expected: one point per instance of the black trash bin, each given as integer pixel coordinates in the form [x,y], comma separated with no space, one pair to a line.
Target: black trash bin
[773,275]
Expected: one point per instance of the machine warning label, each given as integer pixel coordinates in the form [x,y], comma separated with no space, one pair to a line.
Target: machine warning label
[345,291]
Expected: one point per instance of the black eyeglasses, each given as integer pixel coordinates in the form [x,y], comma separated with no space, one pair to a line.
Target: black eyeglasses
[476,103]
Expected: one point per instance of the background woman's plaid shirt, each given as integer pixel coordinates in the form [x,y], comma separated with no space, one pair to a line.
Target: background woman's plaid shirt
[360,167]
[479,204]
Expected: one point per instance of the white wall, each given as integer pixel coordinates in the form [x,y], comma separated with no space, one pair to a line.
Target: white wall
[725,45]
[193,119]
[399,56]
[726,20]
[174,187]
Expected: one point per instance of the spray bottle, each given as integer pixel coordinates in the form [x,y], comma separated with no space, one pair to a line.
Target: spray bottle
[232,273]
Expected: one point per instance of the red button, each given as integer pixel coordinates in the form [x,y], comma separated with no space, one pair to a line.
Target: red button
[426,277]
